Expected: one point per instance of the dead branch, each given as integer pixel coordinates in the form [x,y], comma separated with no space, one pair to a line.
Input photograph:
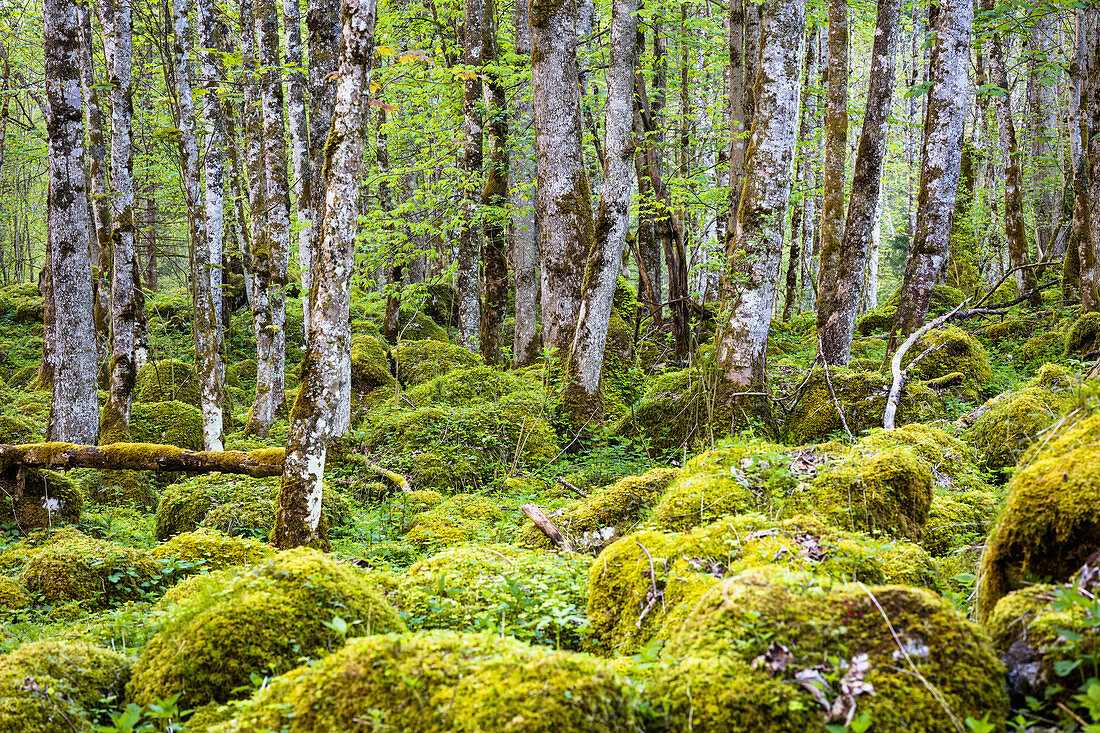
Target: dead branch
[142,457]
[539,519]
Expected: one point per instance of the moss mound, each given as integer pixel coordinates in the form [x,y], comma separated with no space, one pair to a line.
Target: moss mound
[953,463]
[1011,329]
[460,519]
[168,379]
[13,595]
[1082,336]
[167,423]
[671,414]
[49,499]
[17,431]
[50,686]
[1012,423]
[220,627]
[638,580]
[243,373]
[533,596]
[608,514]
[951,350]
[468,682]
[1042,347]
[209,549]
[881,319]
[1051,520]
[958,520]
[424,360]
[68,566]
[789,629]
[234,504]
[21,304]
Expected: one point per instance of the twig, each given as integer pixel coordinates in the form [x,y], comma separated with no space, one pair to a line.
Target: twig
[654,593]
[571,487]
[829,383]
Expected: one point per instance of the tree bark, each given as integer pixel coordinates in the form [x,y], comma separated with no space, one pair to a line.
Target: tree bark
[1079,123]
[299,141]
[757,238]
[142,457]
[842,286]
[494,200]
[939,181]
[315,418]
[524,228]
[74,413]
[466,275]
[807,132]
[123,364]
[564,200]
[612,220]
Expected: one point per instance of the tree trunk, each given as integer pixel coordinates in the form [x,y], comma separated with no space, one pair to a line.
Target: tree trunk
[494,199]
[1079,123]
[320,398]
[123,365]
[1015,234]
[939,181]
[206,357]
[807,132]
[832,183]
[757,238]
[270,257]
[612,220]
[564,200]
[299,141]
[524,228]
[466,275]
[74,413]
[152,269]
[842,286]
[1088,257]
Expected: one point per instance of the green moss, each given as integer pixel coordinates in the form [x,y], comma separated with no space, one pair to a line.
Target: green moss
[211,550]
[167,423]
[672,412]
[369,366]
[608,514]
[624,302]
[1042,347]
[21,303]
[738,618]
[221,627]
[954,464]
[1012,423]
[49,499]
[12,594]
[624,612]
[243,372]
[124,488]
[421,361]
[533,596]
[1051,520]
[1082,336]
[460,519]
[470,682]
[1011,329]
[17,431]
[951,350]
[72,567]
[169,379]
[958,520]
[881,319]
[51,686]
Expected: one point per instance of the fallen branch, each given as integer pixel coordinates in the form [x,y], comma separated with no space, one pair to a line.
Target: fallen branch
[539,519]
[571,487]
[398,481]
[142,457]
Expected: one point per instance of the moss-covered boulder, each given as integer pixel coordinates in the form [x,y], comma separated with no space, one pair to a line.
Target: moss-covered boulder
[953,463]
[638,580]
[1084,335]
[958,520]
[1042,347]
[209,549]
[17,431]
[13,595]
[48,499]
[534,596]
[460,519]
[56,686]
[424,360]
[1010,329]
[167,423]
[672,412]
[469,682]
[369,365]
[925,664]
[67,566]
[237,505]
[881,319]
[951,350]
[1011,423]
[22,303]
[603,517]
[1051,520]
[167,380]
[221,627]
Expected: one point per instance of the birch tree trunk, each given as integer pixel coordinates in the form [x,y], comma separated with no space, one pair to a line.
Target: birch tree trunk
[749,287]
[205,321]
[612,220]
[939,181]
[270,258]
[466,275]
[323,42]
[833,173]
[1015,234]
[123,364]
[319,402]
[842,287]
[524,229]
[564,200]
[299,142]
[494,199]
[74,413]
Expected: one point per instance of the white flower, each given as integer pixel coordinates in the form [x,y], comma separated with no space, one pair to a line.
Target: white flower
[52,505]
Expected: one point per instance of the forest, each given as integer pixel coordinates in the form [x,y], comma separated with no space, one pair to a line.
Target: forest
[549,365]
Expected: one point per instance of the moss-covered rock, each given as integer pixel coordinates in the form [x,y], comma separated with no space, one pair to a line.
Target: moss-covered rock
[13,595]
[957,520]
[951,350]
[369,365]
[637,581]
[208,549]
[953,463]
[234,504]
[460,519]
[881,319]
[599,519]
[1011,329]
[672,412]
[918,654]
[68,567]
[1051,520]
[53,686]
[424,360]
[1042,347]
[21,303]
[167,380]
[220,627]
[243,372]
[123,488]
[48,500]
[17,431]
[1011,424]
[469,682]
[1083,335]
[167,423]
[533,596]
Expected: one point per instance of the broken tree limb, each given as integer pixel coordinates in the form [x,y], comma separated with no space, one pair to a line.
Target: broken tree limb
[888,416]
[398,481]
[571,487]
[142,457]
[539,519]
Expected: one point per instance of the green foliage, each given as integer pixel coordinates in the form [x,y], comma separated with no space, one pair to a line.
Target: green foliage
[49,499]
[170,379]
[209,549]
[422,361]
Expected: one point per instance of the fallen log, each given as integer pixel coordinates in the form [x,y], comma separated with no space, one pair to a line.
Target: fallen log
[539,519]
[142,457]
